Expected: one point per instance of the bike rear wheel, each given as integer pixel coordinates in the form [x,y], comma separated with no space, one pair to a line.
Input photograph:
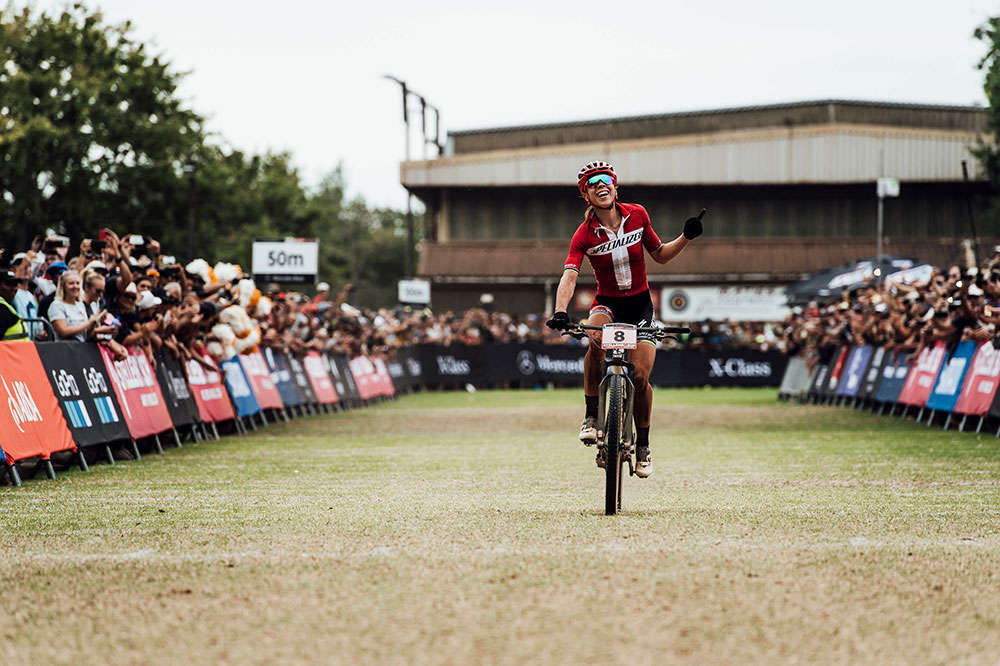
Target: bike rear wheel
[612,445]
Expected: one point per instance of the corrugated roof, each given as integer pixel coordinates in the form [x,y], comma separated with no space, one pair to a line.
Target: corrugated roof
[707,258]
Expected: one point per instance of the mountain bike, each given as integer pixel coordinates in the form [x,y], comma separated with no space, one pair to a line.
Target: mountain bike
[615,431]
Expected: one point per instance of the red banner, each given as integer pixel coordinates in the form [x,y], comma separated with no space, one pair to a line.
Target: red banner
[364,377]
[31,421]
[385,386]
[319,378]
[138,393]
[920,380]
[209,392]
[261,382]
[980,382]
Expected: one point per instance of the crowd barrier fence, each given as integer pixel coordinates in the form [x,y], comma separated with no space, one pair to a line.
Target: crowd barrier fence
[942,384]
[77,397]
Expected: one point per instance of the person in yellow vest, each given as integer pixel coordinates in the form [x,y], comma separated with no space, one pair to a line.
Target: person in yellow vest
[11,326]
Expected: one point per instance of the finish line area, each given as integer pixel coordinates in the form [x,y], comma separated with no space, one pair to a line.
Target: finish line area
[455,527]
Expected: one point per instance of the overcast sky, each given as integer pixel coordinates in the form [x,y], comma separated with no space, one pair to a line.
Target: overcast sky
[305,76]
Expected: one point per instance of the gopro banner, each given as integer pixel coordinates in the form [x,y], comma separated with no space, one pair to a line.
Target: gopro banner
[138,393]
[980,385]
[239,388]
[319,378]
[176,391]
[949,382]
[920,380]
[81,384]
[854,371]
[31,421]
[259,375]
[281,375]
[210,395]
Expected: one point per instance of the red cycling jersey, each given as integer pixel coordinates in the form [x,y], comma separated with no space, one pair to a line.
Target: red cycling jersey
[618,261]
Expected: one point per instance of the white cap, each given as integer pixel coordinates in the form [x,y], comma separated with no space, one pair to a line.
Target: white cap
[975,291]
[147,300]
[322,286]
[96,265]
[131,289]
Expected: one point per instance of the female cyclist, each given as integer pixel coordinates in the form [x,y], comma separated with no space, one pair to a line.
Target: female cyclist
[613,236]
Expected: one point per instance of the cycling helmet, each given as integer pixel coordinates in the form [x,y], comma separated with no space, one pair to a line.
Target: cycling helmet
[592,169]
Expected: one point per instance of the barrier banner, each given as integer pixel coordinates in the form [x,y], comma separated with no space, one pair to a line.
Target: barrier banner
[895,370]
[873,373]
[138,393]
[363,372]
[319,378]
[31,421]
[383,381]
[795,379]
[450,366]
[257,373]
[210,395]
[921,378]
[239,387]
[854,371]
[281,375]
[176,392]
[404,369]
[980,385]
[818,380]
[949,382]
[735,367]
[81,384]
[836,368]
[343,380]
[301,379]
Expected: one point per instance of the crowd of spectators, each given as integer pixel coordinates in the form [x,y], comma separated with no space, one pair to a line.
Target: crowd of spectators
[123,291]
[949,305]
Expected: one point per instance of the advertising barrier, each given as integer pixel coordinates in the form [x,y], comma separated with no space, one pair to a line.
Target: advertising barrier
[894,373]
[239,388]
[980,386]
[81,384]
[854,371]
[301,380]
[920,380]
[281,375]
[316,367]
[31,420]
[210,394]
[873,373]
[259,375]
[138,393]
[949,382]
[343,379]
[176,391]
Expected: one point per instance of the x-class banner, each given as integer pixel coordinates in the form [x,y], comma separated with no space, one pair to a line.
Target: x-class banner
[31,420]
[138,393]
[209,393]
[81,383]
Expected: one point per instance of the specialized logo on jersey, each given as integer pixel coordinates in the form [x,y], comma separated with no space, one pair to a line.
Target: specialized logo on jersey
[625,241]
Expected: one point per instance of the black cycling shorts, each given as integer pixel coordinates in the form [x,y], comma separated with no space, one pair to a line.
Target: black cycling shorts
[636,309]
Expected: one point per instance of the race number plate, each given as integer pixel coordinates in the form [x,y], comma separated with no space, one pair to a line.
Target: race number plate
[618,336]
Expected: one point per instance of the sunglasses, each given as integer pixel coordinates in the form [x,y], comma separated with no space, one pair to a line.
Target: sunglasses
[600,178]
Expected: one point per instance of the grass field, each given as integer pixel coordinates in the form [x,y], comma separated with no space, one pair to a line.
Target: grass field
[467,528]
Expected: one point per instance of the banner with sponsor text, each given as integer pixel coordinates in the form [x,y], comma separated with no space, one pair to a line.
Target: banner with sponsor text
[209,392]
[138,393]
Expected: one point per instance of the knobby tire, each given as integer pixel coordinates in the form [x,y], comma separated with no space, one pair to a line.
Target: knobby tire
[612,446]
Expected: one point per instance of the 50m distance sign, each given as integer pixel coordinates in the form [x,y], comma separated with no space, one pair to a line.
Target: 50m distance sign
[291,260]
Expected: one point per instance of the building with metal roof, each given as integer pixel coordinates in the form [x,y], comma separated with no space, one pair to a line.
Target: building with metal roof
[790,189]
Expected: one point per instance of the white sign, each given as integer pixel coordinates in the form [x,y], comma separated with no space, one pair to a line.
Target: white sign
[290,260]
[679,304]
[618,336]
[887,187]
[415,291]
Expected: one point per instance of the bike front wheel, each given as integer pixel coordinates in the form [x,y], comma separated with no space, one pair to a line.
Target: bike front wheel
[613,421]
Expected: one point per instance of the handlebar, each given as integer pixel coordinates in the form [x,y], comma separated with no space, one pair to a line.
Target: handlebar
[659,333]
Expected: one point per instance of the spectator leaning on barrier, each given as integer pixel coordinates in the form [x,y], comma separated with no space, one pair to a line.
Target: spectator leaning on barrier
[68,313]
[11,326]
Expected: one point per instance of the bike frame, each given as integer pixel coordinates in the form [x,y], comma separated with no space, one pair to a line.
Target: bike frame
[616,363]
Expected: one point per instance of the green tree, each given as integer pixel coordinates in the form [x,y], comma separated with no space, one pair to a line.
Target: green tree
[988,151]
[92,131]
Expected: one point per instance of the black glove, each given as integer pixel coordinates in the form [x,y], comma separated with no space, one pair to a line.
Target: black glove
[692,227]
[559,321]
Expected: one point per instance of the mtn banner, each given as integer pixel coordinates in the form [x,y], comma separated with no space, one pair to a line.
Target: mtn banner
[949,382]
[138,393]
[920,380]
[317,366]
[81,384]
[209,393]
[31,421]
[259,376]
